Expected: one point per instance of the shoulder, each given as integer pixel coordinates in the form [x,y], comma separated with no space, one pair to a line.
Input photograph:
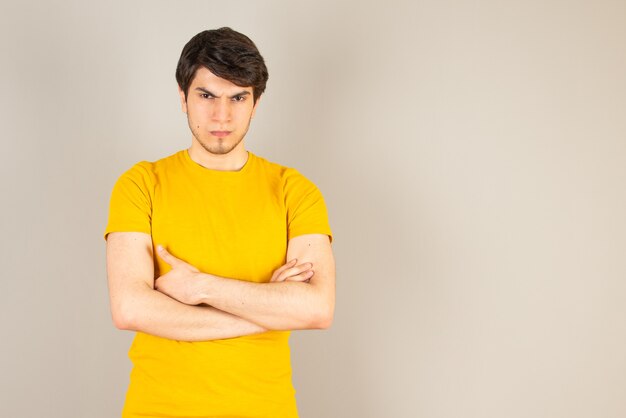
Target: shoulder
[304,203]
[147,172]
[290,178]
[268,167]
[140,169]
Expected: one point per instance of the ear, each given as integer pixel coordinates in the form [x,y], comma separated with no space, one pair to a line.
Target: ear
[258,99]
[183,100]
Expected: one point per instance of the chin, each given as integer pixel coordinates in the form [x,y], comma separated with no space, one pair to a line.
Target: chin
[221,149]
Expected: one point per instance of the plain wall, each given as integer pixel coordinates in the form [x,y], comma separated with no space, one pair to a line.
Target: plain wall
[472,155]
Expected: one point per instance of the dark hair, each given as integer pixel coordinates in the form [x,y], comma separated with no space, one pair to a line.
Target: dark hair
[227,54]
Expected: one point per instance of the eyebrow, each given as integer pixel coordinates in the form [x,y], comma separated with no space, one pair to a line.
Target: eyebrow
[241,93]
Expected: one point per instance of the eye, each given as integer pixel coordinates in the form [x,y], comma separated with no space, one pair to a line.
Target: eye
[239,98]
[206,95]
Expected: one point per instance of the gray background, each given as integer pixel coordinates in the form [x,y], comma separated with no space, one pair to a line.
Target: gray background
[472,154]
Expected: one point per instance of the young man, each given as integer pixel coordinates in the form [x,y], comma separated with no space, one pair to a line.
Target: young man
[214,254]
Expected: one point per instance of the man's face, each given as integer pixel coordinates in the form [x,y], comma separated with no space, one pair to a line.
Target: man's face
[218,111]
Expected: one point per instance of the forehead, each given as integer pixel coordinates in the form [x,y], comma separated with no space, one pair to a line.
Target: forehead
[208,80]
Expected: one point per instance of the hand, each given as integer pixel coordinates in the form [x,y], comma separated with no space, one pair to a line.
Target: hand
[291,272]
[182,282]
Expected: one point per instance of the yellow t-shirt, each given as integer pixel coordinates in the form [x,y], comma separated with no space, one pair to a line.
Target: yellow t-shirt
[232,224]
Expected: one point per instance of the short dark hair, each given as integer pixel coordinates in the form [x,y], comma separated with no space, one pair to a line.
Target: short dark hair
[227,54]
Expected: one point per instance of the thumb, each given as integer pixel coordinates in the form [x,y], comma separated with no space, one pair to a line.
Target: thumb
[166,256]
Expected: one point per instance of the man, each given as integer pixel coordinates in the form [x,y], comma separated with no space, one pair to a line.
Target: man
[214,254]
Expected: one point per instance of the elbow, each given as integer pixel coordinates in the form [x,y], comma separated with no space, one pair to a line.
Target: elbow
[324,322]
[323,319]
[123,317]
[121,323]
[127,311]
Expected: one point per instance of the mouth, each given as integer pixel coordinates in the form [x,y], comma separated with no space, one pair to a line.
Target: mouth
[220,134]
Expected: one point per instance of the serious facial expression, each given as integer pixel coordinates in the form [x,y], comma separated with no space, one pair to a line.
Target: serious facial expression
[218,111]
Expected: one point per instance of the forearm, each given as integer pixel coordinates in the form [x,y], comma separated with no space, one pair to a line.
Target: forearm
[147,310]
[276,306]
[285,303]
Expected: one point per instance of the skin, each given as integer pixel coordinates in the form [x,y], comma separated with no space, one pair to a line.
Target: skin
[189,305]
[300,297]
[137,306]
[215,105]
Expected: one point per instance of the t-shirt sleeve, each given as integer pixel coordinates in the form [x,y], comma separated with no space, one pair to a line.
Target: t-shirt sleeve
[306,209]
[130,208]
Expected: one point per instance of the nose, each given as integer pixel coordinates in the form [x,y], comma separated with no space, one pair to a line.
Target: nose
[221,110]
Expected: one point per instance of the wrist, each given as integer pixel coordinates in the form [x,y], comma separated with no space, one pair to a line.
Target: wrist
[204,285]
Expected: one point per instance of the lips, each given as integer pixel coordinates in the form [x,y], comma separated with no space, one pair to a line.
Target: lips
[220,134]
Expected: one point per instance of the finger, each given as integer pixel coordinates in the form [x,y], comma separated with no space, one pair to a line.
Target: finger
[294,271]
[287,265]
[282,268]
[302,277]
[167,257]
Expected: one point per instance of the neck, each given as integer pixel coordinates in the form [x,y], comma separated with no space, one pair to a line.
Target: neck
[232,161]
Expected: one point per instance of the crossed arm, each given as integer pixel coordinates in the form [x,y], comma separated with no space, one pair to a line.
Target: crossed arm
[189,305]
